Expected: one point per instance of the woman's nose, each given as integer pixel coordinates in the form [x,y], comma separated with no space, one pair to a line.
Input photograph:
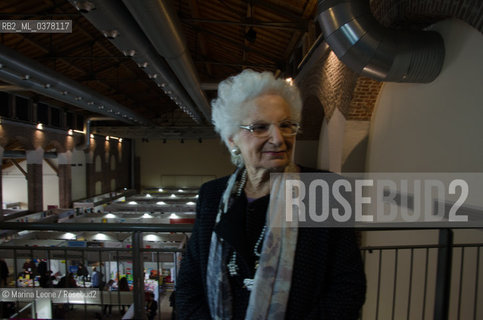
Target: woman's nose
[276,136]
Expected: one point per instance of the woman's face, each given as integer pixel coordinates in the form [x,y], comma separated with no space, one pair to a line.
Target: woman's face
[273,152]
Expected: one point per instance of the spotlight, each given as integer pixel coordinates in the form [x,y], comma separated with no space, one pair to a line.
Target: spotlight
[129,53]
[251,35]
[84,6]
[110,34]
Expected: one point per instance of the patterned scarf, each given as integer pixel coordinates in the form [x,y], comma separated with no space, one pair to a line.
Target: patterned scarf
[269,296]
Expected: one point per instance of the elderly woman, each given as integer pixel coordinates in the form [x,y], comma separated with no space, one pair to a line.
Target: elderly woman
[237,264]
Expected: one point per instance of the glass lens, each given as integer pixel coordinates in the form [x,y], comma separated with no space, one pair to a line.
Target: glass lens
[288,128]
[262,129]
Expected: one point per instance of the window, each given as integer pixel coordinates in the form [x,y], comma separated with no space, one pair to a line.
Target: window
[55,117]
[4,106]
[69,120]
[22,108]
[43,113]
[79,123]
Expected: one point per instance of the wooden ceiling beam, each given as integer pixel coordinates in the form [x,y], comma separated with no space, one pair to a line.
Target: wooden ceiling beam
[45,50]
[201,37]
[236,44]
[242,64]
[297,36]
[281,11]
[283,25]
[52,166]
[16,164]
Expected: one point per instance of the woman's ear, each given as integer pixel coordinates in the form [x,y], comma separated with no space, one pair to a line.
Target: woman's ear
[231,142]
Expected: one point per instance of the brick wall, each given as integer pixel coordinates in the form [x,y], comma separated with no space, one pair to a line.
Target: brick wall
[331,82]
[363,99]
[357,101]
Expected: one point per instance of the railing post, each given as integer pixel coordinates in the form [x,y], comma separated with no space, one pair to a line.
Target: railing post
[443,275]
[138,275]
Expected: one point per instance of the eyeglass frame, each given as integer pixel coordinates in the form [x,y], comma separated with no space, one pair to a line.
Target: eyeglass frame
[251,129]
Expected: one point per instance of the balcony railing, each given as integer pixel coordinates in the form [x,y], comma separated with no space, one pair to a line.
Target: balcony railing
[438,280]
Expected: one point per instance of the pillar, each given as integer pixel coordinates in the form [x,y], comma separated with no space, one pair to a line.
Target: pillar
[34,180]
[90,173]
[65,179]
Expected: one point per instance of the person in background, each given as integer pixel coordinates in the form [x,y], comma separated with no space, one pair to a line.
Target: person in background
[238,263]
[4,272]
[30,267]
[108,287]
[46,280]
[151,305]
[70,281]
[82,273]
[123,286]
[42,267]
[172,304]
[96,278]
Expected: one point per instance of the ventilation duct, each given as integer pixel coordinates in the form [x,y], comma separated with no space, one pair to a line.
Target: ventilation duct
[372,50]
[162,28]
[111,17]
[29,74]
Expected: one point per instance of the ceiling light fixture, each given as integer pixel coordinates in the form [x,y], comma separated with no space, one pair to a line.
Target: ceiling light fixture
[111,34]
[129,53]
[84,6]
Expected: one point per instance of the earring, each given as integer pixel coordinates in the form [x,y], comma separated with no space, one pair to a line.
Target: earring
[235,151]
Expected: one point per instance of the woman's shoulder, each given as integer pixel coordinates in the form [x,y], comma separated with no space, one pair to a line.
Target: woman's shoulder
[213,187]
[216,183]
[212,190]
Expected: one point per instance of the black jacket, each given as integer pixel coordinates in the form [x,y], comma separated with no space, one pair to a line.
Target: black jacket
[328,280]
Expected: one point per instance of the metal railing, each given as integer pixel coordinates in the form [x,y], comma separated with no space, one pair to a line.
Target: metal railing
[404,281]
[429,281]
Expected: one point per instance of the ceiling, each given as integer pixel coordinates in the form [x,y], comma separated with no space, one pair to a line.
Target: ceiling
[222,37]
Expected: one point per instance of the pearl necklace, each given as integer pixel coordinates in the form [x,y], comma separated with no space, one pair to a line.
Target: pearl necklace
[232,265]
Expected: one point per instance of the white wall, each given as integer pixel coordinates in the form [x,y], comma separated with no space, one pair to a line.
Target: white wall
[331,142]
[78,174]
[14,185]
[210,157]
[434,127]
[50,182]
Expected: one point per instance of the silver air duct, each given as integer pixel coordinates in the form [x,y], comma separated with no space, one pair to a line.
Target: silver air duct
[26,73]
[372,50]
[162,28]
[116,23]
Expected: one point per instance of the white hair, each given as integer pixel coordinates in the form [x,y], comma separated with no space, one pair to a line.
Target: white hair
[228,109]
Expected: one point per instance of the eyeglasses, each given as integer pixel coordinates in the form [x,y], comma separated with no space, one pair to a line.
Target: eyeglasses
[262,129]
